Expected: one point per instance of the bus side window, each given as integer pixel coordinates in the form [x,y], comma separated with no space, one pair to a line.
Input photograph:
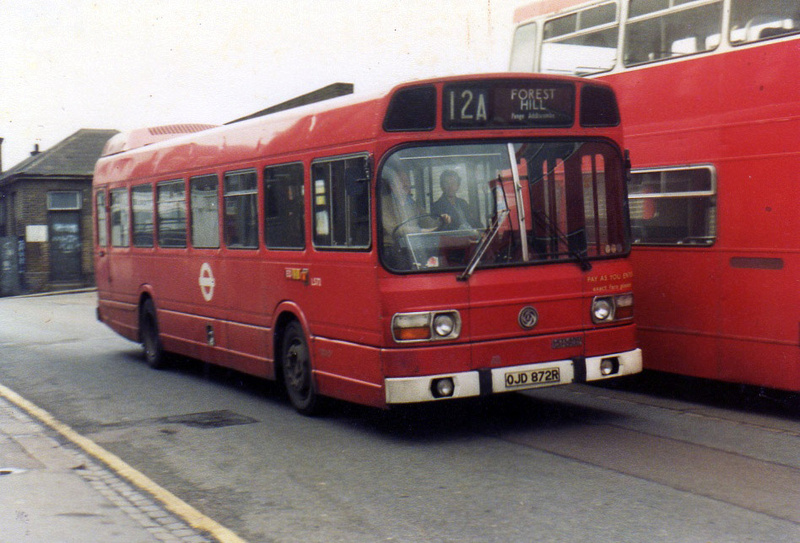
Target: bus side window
[120,225]
[171,213]
[341,203]
[241,210]
[102,219]
[205,211]
[674,206]
[653,33]
[284,207]
[753,21]
[142,206]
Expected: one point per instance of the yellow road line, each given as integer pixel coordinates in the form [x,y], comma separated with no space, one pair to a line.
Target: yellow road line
[172,503]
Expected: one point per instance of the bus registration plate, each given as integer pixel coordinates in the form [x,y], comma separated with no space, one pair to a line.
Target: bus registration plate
[532,378]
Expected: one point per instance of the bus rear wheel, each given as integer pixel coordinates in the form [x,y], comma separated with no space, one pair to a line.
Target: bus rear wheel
[296,366]
[154,353]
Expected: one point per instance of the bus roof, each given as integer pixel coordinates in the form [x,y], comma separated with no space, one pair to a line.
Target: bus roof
[544,7]
[339,121]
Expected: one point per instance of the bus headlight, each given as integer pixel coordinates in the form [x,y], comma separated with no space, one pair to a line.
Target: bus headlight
[426,326]
[612,308]
[444,324]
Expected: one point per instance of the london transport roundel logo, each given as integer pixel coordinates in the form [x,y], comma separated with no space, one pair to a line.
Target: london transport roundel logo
[206,282]
[528,317]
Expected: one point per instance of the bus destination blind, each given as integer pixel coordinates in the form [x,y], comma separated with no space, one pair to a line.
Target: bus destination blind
[508,104]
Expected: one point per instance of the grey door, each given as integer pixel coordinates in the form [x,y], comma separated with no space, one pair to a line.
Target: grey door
[65,246]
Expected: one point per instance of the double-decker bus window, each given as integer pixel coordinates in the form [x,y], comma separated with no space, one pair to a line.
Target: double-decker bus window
[241,210]
[119,218]
[205,212]
[284,207]
[142,207]
[341,203]
[754,21]
[581,43]
[673,206]
[171,214]
[523,48]
[658,30]
[102,219]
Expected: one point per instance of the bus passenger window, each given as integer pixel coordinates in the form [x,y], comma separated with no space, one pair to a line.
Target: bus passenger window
[142,204]
[102,219]
[581,43]
[241,210]
[754,21]
[674,206]
[654,32]
[341,203]
[523,52]
[205,213]
[284,207]
[172,214]
[119,218]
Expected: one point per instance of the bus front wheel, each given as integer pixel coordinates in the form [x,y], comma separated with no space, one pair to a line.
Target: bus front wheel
[296,365]
[151,342]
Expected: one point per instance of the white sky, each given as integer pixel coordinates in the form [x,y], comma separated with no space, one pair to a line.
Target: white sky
[125,64]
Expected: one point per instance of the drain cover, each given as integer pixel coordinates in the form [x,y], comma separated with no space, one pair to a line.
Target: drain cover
[209,419]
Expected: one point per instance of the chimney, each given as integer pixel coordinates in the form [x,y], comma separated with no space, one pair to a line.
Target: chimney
[36,150]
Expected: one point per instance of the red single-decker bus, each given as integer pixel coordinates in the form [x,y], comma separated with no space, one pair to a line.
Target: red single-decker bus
[454,237]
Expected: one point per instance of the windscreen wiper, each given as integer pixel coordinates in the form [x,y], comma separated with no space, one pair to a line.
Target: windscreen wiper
[550,225]
[486,238]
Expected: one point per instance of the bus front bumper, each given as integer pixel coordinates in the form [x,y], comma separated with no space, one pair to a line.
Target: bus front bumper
[400,390]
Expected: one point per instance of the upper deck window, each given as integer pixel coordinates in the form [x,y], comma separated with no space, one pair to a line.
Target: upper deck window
[765,19]
[581,43]
[665,29]
[524,48]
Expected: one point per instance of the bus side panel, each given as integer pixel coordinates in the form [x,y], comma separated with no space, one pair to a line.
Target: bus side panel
[349,372]
[730,311]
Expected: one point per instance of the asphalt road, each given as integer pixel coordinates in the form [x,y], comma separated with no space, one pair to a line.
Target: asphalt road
[658,459]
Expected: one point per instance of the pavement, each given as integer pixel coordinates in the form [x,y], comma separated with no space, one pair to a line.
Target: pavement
[58,487]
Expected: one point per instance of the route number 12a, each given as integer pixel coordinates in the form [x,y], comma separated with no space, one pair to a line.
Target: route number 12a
[467,106]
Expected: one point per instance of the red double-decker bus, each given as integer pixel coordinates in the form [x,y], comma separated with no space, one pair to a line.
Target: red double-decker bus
[711,109]
[455,237]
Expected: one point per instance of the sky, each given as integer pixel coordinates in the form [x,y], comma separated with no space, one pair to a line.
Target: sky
[122,65]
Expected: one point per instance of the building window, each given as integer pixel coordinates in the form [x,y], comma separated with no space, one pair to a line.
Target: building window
[142,204]
[284,216]
[675,206]
[171,214]
[205,212]
[341,203]
[64,200]
[241,210]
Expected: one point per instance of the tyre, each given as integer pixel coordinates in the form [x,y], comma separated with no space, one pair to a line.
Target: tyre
[154,353]
[296,366]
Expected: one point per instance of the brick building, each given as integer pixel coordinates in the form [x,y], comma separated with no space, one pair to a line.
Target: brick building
[46,216]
